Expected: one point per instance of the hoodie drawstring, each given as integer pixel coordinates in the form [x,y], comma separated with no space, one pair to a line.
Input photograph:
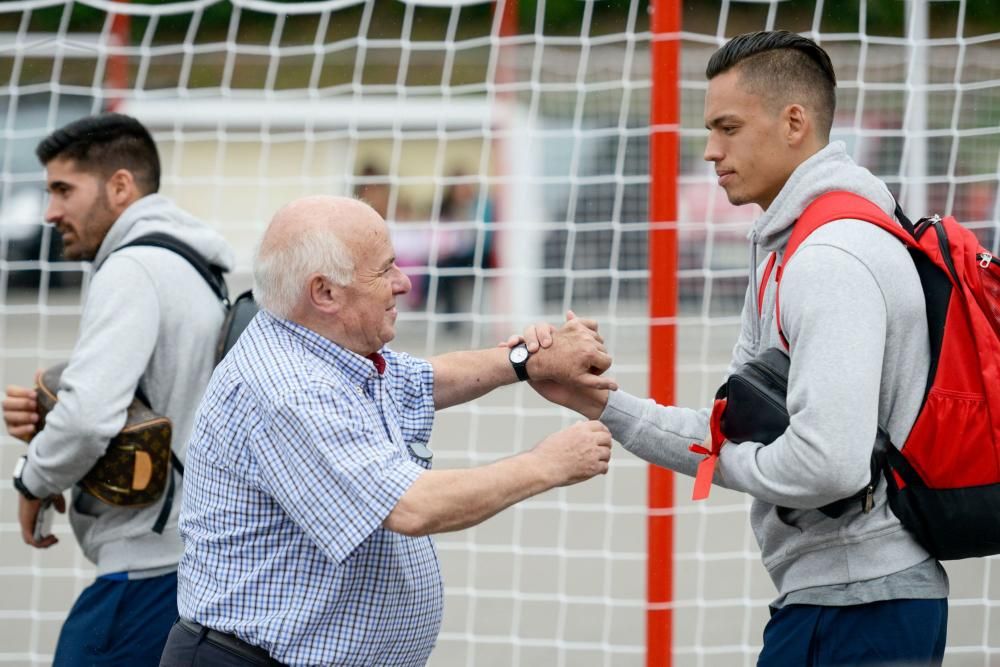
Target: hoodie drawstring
[754,289]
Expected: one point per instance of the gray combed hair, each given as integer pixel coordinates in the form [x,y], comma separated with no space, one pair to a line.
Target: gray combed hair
[280,270]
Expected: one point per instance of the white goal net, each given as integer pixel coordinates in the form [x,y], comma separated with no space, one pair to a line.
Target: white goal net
[512,161]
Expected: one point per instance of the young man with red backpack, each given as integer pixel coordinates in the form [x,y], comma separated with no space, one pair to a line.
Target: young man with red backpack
[855,587]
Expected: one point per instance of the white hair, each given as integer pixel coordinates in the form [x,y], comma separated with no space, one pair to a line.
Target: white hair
[281,270]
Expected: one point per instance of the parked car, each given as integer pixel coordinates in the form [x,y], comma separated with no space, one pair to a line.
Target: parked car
[27,242]
[712,244]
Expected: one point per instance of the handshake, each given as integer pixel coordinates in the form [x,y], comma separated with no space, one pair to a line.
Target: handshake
[566,366]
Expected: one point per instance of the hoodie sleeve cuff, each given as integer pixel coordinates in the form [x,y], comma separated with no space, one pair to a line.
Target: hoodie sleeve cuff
[622,415]
[35,483]
[656,433]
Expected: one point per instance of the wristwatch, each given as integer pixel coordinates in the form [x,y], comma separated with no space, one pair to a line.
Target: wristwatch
[18,484]
[518,356]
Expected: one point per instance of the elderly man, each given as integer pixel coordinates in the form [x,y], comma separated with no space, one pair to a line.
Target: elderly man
[310,498]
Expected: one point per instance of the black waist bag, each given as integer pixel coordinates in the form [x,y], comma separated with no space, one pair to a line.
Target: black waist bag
[755,399]
[756,411]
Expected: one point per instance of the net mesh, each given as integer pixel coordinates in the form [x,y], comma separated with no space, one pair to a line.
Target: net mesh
[512,163]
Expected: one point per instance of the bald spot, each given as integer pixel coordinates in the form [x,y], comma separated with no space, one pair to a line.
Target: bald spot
[352,221]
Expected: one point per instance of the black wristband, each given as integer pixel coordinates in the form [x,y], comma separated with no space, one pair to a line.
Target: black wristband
[23,490]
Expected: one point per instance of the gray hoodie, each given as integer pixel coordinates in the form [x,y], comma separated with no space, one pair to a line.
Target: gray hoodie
[853,312]
[151,321]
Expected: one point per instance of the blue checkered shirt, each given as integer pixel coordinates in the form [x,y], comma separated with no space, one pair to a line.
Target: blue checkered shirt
[299,452]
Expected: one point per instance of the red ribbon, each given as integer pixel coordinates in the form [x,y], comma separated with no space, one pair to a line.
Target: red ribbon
[706,469]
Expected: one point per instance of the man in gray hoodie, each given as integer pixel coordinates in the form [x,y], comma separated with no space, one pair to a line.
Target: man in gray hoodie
[856,589]
[149,323]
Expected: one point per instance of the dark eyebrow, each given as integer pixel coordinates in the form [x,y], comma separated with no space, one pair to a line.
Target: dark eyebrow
[715,122]
[55,185]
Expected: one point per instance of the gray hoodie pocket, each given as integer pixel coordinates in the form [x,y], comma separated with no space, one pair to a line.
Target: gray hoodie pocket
[791,532]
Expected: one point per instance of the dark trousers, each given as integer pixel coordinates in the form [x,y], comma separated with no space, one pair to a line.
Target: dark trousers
[191,645]
[900,633]
[118,622]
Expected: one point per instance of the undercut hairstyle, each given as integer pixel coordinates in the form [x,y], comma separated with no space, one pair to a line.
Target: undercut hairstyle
[103,144]
[281,269]
[782,68]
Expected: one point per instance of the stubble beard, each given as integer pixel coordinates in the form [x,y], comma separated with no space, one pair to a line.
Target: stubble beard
[99,214]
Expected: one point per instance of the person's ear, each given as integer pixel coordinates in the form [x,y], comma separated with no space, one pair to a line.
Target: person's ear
[121,190]
[325,295]
[797,124]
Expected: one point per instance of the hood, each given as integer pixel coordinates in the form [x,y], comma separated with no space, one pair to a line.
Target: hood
[829,169]
[156,213]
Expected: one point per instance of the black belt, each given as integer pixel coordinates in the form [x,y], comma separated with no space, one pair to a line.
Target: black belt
[252,654]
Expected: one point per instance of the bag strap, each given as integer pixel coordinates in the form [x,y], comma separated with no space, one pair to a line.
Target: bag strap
[903,220]
[836,205]
[175,465]
[168,500]
[841,205]
[211,273]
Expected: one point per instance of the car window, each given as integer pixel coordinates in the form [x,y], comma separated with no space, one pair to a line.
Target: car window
[25,119]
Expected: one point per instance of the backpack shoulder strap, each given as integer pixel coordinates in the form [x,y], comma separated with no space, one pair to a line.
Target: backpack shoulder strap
[212,274]
[836,205]
[840,205]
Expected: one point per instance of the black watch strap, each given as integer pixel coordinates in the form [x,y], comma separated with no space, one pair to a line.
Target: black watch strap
[520,366]
[19,485]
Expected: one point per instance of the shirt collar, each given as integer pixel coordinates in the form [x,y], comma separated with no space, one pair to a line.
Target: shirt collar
[355,367]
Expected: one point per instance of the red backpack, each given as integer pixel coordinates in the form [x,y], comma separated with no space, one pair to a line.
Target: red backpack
[944,481]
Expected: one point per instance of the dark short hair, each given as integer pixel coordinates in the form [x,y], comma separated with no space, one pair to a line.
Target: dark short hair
[106,143]
[783,65]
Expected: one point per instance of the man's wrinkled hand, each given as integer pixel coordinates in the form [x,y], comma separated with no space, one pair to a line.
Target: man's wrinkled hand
[539,335]
[573,355]
[575,453]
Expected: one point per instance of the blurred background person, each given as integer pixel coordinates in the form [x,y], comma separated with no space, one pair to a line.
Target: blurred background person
[466,215]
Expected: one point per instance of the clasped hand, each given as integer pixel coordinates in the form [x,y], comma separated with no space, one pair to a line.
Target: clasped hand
[568,363]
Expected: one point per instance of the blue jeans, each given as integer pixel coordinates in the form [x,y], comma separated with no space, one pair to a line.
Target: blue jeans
[901,633]
[117,622]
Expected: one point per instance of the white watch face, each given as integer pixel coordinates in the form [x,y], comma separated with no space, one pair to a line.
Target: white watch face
[519,354]
[19,466]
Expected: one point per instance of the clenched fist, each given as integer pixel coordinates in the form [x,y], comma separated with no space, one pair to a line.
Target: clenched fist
[576,453]
[20,412]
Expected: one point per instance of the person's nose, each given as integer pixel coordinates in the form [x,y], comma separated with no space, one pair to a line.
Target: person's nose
[713,152]
[402,284]
[53,211]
